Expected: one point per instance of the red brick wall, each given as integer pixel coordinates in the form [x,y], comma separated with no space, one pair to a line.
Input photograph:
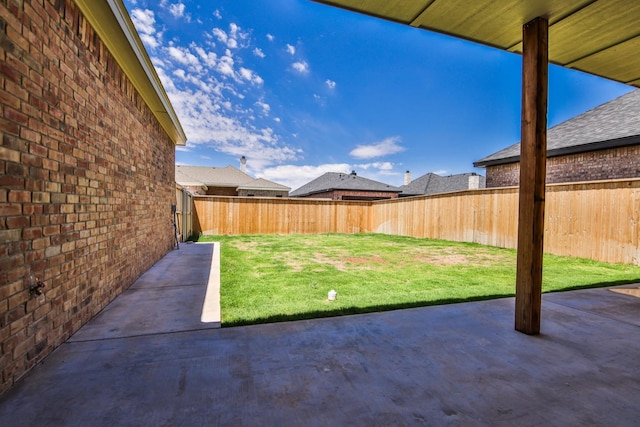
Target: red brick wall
[615,163]
[86,180]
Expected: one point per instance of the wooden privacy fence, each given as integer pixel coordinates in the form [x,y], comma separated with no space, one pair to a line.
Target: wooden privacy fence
[184,213]
[597,220]
[249,215]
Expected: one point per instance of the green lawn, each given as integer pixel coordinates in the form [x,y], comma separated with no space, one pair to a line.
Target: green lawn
[270,278]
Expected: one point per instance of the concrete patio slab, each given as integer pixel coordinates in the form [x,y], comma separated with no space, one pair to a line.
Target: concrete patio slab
[170,297]
[459,364]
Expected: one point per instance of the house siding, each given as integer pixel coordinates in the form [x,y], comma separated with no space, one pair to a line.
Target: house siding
[86,180]
[615,163]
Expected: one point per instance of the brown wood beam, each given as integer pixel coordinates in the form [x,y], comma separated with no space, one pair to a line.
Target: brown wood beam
[533,161]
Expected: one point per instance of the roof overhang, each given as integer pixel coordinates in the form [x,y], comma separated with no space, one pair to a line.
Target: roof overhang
[565,151]
[113,25]
[596,37]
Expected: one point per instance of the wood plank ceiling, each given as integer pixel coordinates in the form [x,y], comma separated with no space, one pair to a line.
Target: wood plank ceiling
[600,37]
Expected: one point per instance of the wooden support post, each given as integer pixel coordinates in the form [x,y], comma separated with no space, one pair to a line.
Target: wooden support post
[533,160]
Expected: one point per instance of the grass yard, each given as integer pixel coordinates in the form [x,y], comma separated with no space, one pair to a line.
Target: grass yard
[269,278]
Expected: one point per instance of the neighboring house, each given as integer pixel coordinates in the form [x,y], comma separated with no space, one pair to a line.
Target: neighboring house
[431,183]
[343,186]
[602,143]
[227,181]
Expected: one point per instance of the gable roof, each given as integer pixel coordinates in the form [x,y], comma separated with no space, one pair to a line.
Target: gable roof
[431,183]
[613,124]
[342,181]
[263,184]
[211,176]
[228,176]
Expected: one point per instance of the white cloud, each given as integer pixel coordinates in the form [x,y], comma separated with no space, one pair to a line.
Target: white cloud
[291,49]
[277,119]
[220,35]
[296,176]
[184,57]
[251,76]
[209,58]
[219,100]
[177,9]
[382,166]
[149,40]
[233,39]
[271,37]
[225,66]
[144,21]
[258,52]
[266,108]
[331,84]
[380,149]
[301,67]
[217,14]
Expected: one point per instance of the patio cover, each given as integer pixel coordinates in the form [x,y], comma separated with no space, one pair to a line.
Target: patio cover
[597,37]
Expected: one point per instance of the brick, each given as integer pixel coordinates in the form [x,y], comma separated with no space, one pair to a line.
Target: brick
[58,197]
[51,229]
[38,150]
[10,209]
[16,116]
[9,154]
[40,243]
[19,196]
[40,197]
[17,222]
[31,233]
[10,235]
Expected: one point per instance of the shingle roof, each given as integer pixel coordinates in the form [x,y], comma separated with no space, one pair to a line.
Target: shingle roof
[431,183]
[211,176]
[613,124]
[263,184]
[223,177]
[342,181]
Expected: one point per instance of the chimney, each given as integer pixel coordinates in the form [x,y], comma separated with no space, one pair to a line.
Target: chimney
[353,173]
[407,178]
[474,181]
[243,164]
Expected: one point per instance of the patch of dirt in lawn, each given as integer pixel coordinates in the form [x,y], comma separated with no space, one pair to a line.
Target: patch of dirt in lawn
[339,264]
[366,261]
[245,246]
[451,256]
[440,257]
[295,265]
[298,264]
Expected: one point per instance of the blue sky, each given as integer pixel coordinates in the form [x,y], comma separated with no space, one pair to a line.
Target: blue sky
[301,89]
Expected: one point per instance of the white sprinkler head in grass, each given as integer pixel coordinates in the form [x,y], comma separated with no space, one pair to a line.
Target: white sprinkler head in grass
[332,295]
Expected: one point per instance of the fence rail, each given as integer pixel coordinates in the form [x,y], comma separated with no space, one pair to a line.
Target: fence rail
[597,220]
